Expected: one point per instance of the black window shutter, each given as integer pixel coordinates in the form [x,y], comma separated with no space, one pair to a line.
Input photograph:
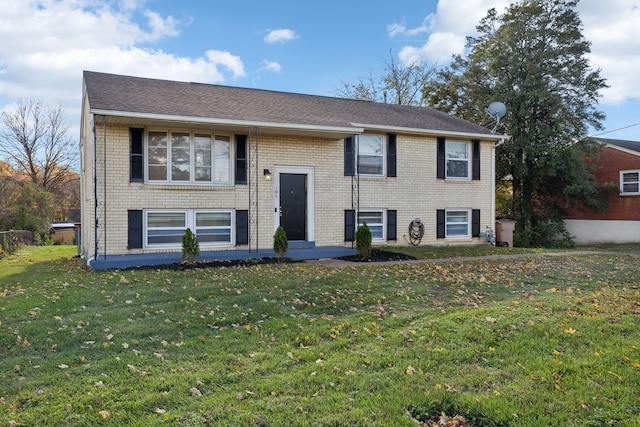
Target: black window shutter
[241,159]
[135,229]
[392,225]
[391,155]
[440,224]
[242,227]
[136,155]
[475,223]
[441,158]
[349,225]
[349,156]
[475,174]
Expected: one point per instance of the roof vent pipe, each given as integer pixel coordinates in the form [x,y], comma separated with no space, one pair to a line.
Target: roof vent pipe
[384,94]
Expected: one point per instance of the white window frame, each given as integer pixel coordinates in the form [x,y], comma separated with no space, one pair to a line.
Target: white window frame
[190,222]
[230,227]
[147,228]
[215,139]
[383,154]
[622,182]
[382,224]
[448,223]
[456,159]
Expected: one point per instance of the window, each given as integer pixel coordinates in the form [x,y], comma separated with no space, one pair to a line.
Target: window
[457,159]
[375,222]
[370,155]
[189,157]
[457,223]
[157,156]
[202,158]
[213,227]
[222,159]
[630,182]
[166,228]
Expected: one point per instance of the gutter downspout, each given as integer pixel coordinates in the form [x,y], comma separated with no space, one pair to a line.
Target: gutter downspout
[257,196]
[104,184]
[95,190]
[493,188]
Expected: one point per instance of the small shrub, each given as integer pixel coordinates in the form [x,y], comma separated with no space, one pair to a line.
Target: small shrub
[9,242]
[190,246]
[363,241]
[280,243]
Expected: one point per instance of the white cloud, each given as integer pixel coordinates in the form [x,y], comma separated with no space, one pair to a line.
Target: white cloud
[448,28]
[613,28]
[271,66]
[52,41]
[280,36]
[161,27]
[396,28]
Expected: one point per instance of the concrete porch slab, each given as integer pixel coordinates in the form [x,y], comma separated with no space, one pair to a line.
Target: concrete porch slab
[112,262]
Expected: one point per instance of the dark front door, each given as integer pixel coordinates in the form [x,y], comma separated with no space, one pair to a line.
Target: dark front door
[293,205]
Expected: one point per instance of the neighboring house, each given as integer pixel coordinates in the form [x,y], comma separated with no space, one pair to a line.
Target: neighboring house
[618,164]
[233,164]
[63,233]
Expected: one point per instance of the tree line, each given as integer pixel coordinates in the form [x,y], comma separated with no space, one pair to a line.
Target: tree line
[533,58]
[37,183]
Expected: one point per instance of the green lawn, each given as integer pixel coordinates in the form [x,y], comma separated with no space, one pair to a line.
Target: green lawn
[540,341]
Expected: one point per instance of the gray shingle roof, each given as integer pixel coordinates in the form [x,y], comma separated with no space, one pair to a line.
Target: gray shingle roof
[629,145]
[135,95]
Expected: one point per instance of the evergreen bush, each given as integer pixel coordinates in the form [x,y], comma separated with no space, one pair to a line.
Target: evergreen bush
[190,246]
[363,241]
[280,243]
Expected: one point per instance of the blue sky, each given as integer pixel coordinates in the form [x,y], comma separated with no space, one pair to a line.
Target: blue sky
[295,46]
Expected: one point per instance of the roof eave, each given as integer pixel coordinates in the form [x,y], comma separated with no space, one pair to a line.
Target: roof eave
[623,149]
[433,132]
[296,128]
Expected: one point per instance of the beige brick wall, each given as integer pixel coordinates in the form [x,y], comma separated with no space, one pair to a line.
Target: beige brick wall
[415,193]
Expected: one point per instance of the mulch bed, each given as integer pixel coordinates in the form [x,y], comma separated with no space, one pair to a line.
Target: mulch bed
[378,255]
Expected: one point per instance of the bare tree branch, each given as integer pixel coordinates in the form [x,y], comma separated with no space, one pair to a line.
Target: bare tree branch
[34,140]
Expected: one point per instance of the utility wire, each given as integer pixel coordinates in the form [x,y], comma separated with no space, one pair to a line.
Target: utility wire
[615,130]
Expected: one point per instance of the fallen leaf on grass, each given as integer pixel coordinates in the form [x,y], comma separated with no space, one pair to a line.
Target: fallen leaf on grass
[195,392]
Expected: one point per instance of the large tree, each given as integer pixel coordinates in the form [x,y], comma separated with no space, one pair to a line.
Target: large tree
[534,59]
[400,84]
[33,139]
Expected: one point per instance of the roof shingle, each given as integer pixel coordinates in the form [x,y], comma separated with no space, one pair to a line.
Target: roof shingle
[623,143]
[136,95]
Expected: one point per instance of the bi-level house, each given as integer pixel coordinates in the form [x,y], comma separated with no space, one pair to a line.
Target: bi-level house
[233,164]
